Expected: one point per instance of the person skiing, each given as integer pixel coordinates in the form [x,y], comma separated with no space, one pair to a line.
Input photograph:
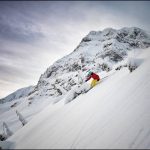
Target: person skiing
[95,77]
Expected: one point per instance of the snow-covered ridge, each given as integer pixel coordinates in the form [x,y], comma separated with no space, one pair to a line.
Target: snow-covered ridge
[99,43]
[96,50]
[20,93]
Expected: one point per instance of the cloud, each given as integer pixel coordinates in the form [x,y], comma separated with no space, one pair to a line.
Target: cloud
[8,72]
[10,30]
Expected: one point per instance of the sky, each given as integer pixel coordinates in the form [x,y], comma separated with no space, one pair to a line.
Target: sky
[34,34]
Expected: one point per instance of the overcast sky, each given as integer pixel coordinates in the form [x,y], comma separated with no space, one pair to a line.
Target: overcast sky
[34,34]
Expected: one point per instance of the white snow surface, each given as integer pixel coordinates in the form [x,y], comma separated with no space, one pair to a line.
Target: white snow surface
[114,114]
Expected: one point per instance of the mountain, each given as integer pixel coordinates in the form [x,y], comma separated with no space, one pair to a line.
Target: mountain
[20,93]
[112,115]
[100,51]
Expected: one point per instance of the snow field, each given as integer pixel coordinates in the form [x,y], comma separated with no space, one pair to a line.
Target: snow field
[114,114]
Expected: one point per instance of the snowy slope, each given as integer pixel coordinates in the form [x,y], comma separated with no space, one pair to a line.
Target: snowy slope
[114,114]
[99,51]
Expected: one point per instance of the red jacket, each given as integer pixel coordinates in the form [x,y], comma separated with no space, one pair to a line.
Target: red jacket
[94,76]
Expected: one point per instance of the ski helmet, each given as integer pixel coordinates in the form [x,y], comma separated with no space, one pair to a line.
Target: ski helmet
[89,73]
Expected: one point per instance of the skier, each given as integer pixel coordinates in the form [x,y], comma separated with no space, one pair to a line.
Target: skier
[95,77]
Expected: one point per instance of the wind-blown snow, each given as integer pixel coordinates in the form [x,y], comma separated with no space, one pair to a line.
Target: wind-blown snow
[114,114]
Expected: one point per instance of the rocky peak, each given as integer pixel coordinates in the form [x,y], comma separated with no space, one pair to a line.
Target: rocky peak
[96,50]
